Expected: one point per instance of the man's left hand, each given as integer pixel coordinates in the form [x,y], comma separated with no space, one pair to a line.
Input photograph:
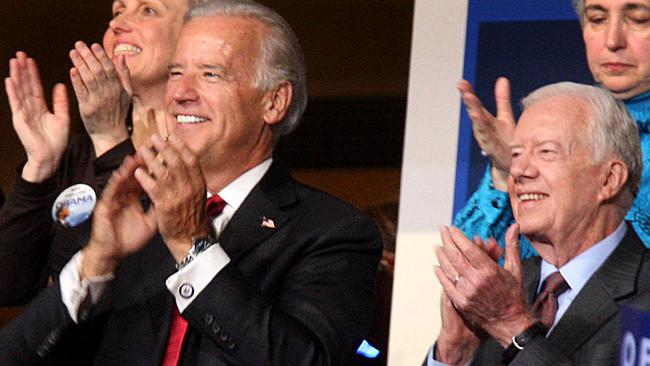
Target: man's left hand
[174,182]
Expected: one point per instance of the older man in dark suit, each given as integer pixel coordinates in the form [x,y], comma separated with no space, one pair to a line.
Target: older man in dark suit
[576,167]
[274,273]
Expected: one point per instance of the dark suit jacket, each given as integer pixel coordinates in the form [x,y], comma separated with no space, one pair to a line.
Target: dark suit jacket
[300,294]
[588,332]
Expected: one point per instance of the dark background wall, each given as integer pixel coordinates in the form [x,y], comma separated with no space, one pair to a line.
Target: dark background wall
[357,56]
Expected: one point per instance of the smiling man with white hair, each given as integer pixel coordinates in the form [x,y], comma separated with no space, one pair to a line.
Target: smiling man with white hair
[576,167]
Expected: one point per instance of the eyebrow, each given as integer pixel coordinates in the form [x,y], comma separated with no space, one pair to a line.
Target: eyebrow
[635,6]
[626,7]
[212,67]
[202,67]
[537,143]
[596,7]
[162,3]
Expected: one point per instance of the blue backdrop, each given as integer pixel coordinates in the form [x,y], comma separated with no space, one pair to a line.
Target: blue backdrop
[533,43]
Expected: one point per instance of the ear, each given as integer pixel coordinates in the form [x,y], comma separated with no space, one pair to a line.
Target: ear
[276,103]
[616,175]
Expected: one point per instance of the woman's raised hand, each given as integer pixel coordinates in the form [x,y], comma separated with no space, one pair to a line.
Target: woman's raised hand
[43,133]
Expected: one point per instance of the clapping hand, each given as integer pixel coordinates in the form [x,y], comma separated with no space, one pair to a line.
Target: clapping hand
[493,133]
[103,89]
[43,133]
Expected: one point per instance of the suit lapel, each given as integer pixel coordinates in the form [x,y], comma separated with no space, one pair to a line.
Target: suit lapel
[598,300]
[531,278]
[246,229]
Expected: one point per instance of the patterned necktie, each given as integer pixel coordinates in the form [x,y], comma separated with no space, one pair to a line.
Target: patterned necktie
[214,206]
[545,306]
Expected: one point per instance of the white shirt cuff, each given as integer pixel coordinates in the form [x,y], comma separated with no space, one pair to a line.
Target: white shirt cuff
[75,291]
[189,281]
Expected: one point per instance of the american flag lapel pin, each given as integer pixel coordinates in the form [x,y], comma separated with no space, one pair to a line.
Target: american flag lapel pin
[268,223]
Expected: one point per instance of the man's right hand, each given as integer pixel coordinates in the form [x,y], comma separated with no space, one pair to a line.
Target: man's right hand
[44,134]
[120,226]
[456,343]
[458,340]
[493,134]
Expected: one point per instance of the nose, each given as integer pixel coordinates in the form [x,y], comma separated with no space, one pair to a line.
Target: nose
[616,35]
[522,167]
[120,24]
[183,90]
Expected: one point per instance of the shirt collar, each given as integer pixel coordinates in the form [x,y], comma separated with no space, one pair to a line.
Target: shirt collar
[236,191]
[579,270]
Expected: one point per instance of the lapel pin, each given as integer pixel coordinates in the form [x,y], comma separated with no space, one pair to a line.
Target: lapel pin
[268,223]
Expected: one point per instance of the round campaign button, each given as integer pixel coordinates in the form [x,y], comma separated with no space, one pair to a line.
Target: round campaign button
[74,205]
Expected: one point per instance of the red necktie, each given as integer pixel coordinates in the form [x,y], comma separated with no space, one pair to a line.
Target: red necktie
[214,206]
[175,342]
[545,306]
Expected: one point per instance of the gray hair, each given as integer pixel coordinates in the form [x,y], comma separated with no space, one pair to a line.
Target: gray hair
[612,129]
[579,7]
[281,55]
[192,3]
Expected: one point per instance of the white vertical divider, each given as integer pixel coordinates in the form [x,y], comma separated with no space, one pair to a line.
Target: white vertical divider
[428,174]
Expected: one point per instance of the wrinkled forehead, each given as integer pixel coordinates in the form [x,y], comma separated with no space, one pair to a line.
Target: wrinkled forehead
[241,35]
[561,118]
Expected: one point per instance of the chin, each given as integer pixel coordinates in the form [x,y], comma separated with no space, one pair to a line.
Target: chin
[622,88]
[528,226]
[187,139]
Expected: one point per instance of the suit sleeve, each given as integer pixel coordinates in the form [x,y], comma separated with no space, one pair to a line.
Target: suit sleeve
[25,228]
[104,165]
[322,309]
[538,352]
[46,333]
[487,214]
[32,338]
[27,232]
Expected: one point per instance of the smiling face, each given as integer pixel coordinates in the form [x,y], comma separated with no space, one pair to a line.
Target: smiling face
[211,102]
[146,32]
[617,39]
[554,184]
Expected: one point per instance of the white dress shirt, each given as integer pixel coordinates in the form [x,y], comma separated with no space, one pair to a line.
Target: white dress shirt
[195,276]
[576,272]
